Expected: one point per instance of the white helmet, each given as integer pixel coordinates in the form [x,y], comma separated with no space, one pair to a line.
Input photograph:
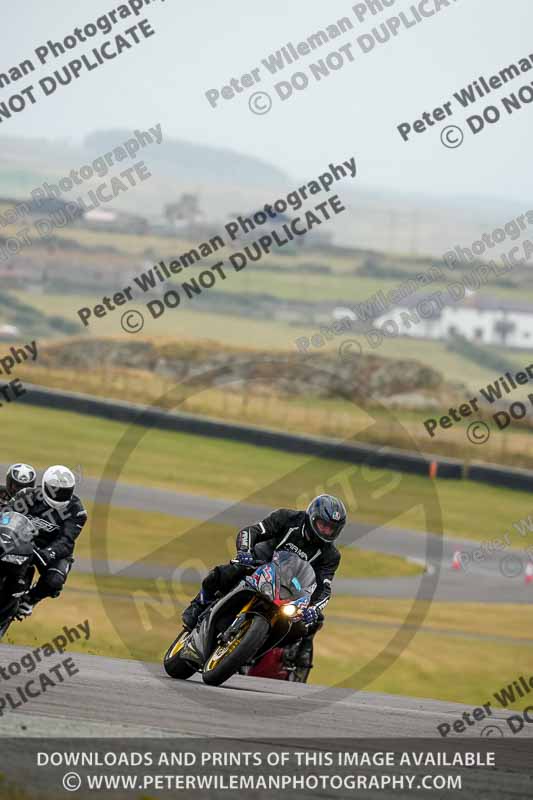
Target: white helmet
[58,486]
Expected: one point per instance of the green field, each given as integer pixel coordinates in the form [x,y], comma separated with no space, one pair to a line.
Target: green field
[193,324]
[177,541]
[346,277]
[262,476]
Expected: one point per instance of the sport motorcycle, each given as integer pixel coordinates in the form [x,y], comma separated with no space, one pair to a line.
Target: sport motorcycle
[16,557]
[238,629]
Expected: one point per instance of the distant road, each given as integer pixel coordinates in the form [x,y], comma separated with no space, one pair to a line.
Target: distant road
[482,583]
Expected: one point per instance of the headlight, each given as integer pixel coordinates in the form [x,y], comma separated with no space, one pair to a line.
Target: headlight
[289,610]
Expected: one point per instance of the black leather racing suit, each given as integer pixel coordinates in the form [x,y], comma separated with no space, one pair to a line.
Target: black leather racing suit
[58,531]
[284,529]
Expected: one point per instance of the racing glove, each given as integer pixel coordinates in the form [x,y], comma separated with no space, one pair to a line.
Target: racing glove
[310,615]
[245,559]
[44,557]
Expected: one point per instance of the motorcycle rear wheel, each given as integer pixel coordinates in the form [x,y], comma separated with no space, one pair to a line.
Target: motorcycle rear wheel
[299,675]
[226,660]
[174,664]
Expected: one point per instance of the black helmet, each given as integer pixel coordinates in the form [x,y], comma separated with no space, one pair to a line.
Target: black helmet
[19,476]
[326,517]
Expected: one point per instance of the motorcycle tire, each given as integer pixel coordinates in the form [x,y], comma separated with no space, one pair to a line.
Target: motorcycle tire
[226,660]
[3,628]
[175,666]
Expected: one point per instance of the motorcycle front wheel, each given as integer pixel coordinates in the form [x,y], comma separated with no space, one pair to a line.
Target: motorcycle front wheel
[3,628]
[174,664]
[228,658]
[8,615]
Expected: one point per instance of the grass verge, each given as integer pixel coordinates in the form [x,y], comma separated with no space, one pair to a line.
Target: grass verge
[219,468]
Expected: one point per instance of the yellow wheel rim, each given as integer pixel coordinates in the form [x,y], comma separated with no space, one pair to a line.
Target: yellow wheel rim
[179,645]
[224,650]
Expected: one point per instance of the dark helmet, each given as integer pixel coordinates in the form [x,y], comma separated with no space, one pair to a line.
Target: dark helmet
[326,517]
[19,476]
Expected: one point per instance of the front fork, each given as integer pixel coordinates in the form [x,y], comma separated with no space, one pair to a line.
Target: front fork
[226,636]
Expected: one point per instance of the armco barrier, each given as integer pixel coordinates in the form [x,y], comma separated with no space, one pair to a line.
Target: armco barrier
[376,456]
[501,476]
[382,457]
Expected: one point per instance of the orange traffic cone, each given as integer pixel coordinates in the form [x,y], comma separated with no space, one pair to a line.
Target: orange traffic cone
[529,573]
[456,563]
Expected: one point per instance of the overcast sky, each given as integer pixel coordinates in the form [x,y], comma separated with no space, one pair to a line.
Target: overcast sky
[199,46]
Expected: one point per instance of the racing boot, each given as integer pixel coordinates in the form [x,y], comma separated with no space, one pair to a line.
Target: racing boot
[194,611]
[27,603]
[25,608]
[304,656]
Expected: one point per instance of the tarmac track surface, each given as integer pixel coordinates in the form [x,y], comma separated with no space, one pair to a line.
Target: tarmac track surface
[130,701]
[110,697]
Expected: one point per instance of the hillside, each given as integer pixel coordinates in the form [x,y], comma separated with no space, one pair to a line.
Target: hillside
[380,400]
[282,373]
[188,162]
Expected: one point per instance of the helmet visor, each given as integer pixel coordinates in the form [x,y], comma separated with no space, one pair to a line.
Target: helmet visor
[326,530]
[61,494]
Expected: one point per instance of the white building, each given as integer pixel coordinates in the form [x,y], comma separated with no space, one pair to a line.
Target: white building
[482,320]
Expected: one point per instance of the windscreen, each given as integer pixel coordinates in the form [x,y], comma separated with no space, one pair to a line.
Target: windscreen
[15,529]
[297,577]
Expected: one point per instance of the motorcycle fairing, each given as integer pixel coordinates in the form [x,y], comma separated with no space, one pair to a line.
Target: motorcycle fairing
[16,538]
[217,619]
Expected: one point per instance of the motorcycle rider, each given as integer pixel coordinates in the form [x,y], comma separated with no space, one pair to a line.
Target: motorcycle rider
[18,476]
[59,516]
[311,535]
